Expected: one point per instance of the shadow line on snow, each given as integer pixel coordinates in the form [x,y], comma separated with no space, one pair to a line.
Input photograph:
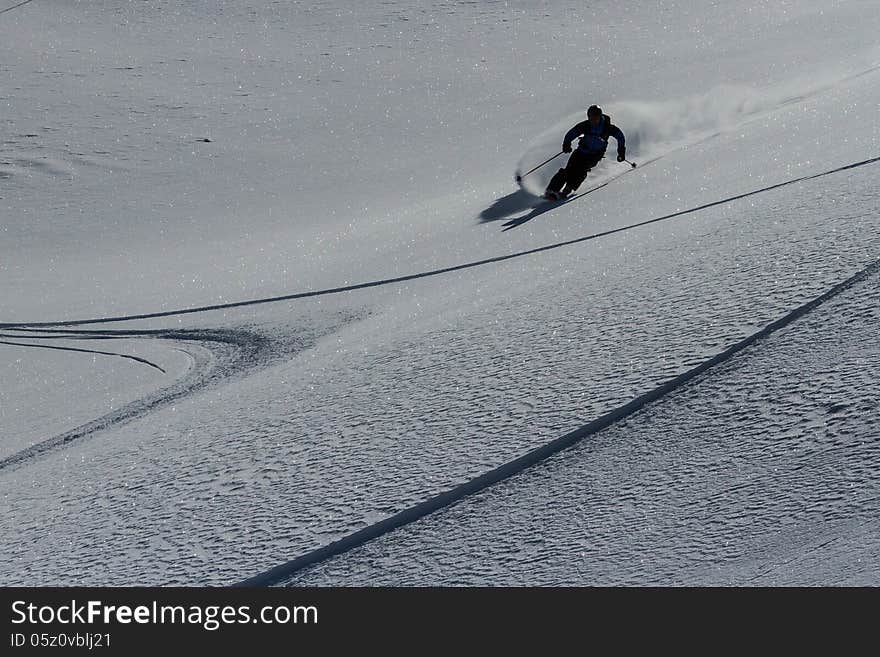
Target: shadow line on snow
[85,351]
[546,206]
[435,272]
[506,206]
[20,4]
[509,205]
[228,353]
[285,571]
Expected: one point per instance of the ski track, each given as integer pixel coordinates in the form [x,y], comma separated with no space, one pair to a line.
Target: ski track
[20,4]
[285,571]
[137,359]
[773,456]
[436,272]
[241,351]
[699,138]
[224,354]
[548,205]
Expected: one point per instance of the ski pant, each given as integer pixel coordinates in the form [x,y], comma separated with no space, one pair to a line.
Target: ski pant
[575,171]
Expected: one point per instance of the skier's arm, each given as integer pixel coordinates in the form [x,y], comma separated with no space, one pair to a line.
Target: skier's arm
[573,134]
[617,133]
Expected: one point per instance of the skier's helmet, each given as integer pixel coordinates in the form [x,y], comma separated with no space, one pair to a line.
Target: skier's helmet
[594,110]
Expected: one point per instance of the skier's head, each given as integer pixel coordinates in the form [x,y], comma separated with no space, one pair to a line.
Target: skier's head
[594,114]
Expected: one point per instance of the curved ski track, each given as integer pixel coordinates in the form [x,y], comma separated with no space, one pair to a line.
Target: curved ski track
[434,272]
[407,516]
[244,350]
[136,359]
[231,353]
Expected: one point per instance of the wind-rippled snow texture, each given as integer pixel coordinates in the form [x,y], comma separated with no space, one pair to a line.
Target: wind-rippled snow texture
[764,471]
[344,441]
[360,143]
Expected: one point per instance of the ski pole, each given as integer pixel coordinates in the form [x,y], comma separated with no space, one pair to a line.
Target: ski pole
[519,178]
[632,164]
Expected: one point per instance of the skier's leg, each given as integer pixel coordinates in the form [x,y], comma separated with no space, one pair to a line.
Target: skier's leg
[578,174]
[556,184]
[574,173]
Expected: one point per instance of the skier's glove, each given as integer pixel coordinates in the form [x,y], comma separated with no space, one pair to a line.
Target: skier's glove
[621,154]
[566,148]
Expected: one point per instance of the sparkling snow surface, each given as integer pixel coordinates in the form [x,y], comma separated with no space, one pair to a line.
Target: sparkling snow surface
[761,472]
[358,142]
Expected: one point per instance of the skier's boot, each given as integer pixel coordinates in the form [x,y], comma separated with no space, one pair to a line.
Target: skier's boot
[557,182]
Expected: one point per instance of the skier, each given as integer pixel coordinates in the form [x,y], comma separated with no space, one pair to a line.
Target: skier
[593,133]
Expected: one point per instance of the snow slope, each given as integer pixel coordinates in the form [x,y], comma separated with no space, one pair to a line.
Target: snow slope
[762,472]
[361,143]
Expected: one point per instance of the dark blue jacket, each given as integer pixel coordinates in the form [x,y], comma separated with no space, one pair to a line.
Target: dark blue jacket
[594,140]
